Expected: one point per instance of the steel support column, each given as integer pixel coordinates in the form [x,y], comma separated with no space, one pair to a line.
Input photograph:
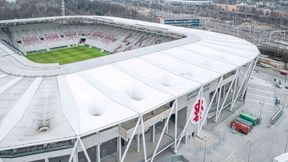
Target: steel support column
[130,140]
[119,149]
[234,91]
[250,75]
[137,143]
[226,96]
[75,156]
[210,105]
[188,119]
[164,128]
[244,80]
[198,124]
[98,148]
[73,151]
[84,150]
[218,101]
[143,139]
[153,134]
[167,128]
[176,128]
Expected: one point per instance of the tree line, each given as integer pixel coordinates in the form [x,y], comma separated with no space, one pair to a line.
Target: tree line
[45,8]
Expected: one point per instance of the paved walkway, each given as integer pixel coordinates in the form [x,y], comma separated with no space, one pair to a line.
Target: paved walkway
[225,145]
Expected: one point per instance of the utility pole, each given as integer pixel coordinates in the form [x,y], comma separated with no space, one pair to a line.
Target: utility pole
[205,149]
[249,153]
[156,7]
[63,8]
[285,59]
[286,143]
[262,103]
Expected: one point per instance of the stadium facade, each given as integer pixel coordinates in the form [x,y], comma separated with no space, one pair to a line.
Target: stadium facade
[159,86]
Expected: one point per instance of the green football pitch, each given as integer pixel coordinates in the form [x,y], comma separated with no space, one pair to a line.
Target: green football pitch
[66,55]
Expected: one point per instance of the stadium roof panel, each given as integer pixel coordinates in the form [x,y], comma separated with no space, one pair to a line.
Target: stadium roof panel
[230,43]
[250,54]
[108,90]
[217,55]
[125,89]
[181,68]
[199,60]
[156,77]
[94,107]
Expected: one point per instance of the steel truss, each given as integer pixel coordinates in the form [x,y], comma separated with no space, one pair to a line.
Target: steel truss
[244,84]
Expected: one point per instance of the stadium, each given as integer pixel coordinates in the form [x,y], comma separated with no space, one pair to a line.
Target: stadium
[89,88]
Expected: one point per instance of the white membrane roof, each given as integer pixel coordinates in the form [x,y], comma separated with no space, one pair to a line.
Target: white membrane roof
[100,93]
[201,61]
[156,77]
[181,68]
[94,107]
[125,89]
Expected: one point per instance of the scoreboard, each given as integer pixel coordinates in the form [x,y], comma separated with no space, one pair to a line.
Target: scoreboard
[187,22]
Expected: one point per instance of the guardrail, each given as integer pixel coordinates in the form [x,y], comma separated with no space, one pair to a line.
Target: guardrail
[25,151]
[276,116]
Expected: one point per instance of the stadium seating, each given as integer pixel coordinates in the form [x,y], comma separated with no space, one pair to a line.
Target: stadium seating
[113,39]
[14,64]
[3,35]
[39,37]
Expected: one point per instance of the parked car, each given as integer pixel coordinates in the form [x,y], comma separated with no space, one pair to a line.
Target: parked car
[283,72]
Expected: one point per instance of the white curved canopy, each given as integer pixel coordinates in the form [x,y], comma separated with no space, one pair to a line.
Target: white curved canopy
[101,93]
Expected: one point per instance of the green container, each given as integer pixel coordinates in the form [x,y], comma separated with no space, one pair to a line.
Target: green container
[249,117]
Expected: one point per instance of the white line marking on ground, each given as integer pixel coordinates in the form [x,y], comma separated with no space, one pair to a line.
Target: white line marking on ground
[263,90]
[257,101]
[253,94]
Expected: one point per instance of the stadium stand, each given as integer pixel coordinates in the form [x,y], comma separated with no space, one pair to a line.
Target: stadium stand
[12,47]
[3,35]
[16,41]
[32,38]
[15,64]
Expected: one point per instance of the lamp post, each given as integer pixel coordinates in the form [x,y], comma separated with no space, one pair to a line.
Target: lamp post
[284,101]
[286,143]
[205,149]
[250,143]
[262,103]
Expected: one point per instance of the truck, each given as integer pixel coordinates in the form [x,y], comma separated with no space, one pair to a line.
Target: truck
[240,127]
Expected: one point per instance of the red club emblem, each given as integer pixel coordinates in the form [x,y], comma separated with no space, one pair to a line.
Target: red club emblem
[198,110]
